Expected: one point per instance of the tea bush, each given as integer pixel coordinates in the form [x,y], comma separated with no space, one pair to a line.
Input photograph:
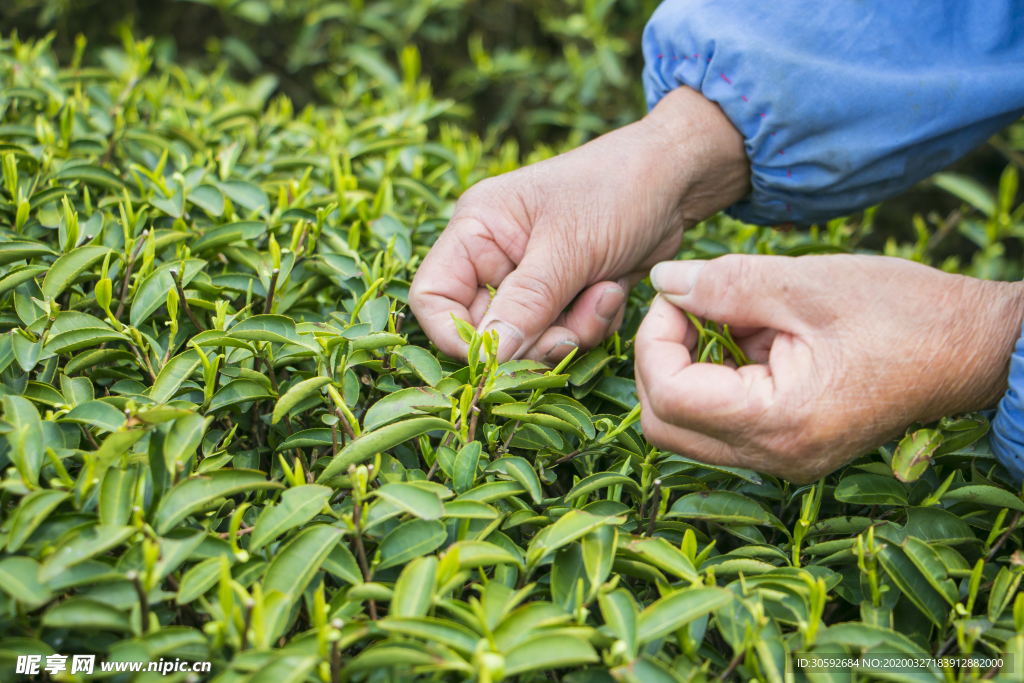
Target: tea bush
[224,439]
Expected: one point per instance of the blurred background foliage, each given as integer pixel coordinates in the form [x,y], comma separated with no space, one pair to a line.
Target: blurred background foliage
[531,78]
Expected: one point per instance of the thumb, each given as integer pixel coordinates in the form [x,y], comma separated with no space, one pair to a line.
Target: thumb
[527,302]
[737,290]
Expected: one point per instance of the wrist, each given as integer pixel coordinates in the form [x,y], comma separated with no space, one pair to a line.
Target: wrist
[987,331]
[699,156]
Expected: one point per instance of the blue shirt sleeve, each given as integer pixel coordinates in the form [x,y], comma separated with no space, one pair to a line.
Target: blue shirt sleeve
[1007,433]
[843,103]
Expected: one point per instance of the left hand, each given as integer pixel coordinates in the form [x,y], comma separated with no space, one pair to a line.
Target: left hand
[848,351]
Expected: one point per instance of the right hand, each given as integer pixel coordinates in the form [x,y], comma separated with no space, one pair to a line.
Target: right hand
[847,351]
[580,229]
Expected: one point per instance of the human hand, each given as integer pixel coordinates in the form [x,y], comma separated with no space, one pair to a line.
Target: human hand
[848,351]
[585,225]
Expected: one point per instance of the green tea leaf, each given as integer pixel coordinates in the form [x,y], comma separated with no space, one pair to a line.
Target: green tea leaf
[410,540]
[82,546]
[294,565]
[678,609]
[33,510]
[412,499]
[467,462]
[598,481]
[986,495]
[914,454]
[296,394]
[364,447]
[197,492]
[19,579]
[68,267]
[152,292]
[719,506]
[870,489]
[548,652]
[415,588]
[296,507]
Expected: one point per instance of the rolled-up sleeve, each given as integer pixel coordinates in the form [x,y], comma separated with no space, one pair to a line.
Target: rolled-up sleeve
[843,104]
[1007,435]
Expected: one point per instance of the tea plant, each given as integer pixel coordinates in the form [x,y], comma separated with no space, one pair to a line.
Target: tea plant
[224,437]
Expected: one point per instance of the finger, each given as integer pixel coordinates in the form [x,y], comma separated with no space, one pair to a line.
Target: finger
[450,282]
[595,311]
[554,345]
[479,306]
[738,290]
[715,400]
[682,441]
[529,299]
[593,316]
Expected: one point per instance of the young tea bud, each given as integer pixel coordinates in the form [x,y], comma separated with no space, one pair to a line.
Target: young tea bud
[172,304]
[104,293]
[275,253]
[67,122]
[11,174]
[44,131]
[70,225]
[22,216]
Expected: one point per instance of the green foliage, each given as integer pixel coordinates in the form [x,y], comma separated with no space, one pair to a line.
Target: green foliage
[223,439]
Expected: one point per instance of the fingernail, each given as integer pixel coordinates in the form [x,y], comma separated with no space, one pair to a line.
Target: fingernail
[559,351]
[509,339]
[675,277]
[609,304]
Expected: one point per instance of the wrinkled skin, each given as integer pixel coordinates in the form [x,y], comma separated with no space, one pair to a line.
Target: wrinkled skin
[585,225]
[849,350]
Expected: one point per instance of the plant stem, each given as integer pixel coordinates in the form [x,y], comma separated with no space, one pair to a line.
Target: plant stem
[511,435]
[567,458]
[184,302]
[241,532]
[143,361]
[256,427]
[655,502]
[473,408]
[272,291]
[1006,535]
[89,436]
[732,666]
[447,441]
[345,425]
[245,628]
[128,273]
[335,662]
[133,576]
[357,512]
[273,377]
[945,646]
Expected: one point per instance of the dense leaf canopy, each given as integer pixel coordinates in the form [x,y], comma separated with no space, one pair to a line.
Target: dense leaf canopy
[225,439]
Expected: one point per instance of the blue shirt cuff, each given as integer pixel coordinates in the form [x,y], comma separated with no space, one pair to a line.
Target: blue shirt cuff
[842,104]
[1007,434]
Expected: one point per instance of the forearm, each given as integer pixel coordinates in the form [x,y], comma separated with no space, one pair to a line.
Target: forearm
[841,105]
[698,155]
[979,342]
